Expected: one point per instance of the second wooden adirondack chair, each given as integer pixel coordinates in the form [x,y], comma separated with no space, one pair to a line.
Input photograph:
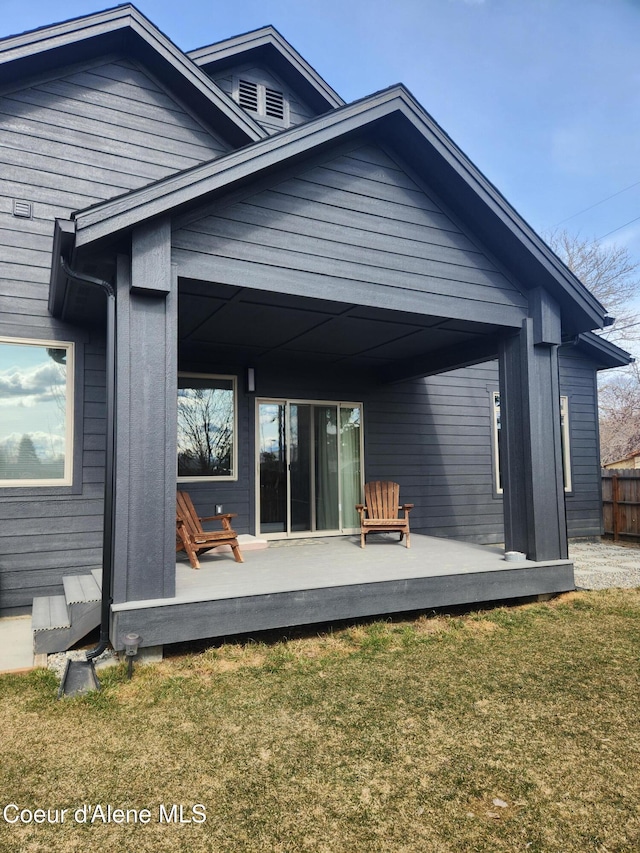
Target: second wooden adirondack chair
[380,511]
[191,537]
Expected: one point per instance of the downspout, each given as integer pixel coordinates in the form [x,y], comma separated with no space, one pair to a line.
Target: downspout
[109,473]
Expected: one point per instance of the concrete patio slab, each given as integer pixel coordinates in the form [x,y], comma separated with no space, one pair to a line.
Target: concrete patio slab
[16,644]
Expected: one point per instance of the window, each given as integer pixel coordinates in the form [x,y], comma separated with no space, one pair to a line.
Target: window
[36,405]
[564,437]
[207,427]
[262,99]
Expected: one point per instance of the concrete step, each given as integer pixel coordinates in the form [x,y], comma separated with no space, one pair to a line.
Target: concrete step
[59,621]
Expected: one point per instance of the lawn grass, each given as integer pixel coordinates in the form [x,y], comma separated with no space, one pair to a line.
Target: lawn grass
[510,729]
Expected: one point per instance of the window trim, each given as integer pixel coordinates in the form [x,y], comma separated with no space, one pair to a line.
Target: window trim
[219,478]
[566,444]
[70,406]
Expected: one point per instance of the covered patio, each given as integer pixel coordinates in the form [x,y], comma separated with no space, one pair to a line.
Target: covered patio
[311,581]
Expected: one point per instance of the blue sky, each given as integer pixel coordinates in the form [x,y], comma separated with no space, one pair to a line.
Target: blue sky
[543,95]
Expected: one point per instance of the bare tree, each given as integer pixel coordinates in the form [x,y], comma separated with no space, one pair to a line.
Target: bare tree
[619,398]
[611,275]
[205,431]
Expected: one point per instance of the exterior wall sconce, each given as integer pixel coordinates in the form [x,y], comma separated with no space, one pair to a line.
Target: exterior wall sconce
[251,380]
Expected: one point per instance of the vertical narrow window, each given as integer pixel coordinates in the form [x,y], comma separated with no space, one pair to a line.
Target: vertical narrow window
[566,447]
[564,437]
[207,427]
[36,413]
[496,435]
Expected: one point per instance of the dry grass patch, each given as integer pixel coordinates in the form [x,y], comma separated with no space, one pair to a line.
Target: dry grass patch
[510,729]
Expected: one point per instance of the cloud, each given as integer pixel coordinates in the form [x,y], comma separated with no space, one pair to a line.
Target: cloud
[28,386]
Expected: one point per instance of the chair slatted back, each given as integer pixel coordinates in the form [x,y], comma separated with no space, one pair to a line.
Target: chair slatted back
[382,499]
[187,513]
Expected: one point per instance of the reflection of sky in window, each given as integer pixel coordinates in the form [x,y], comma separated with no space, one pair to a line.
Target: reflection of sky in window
[32,399]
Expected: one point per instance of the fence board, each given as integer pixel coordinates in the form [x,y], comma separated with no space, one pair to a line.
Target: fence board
[621,503]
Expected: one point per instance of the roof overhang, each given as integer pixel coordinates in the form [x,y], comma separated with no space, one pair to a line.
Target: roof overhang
[268,45]
[125,30]
[603,352]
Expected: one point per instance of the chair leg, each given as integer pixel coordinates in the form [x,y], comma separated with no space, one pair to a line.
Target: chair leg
[408,540]
[363,539]
[236,551]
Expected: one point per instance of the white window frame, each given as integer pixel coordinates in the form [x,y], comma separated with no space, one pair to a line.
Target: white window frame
[566,443]
[67,479]
[233,476]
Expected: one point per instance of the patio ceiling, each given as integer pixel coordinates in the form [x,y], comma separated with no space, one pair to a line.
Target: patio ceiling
[243,326]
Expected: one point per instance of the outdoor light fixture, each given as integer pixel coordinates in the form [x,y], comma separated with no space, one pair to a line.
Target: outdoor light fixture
[251,380]
[131,643]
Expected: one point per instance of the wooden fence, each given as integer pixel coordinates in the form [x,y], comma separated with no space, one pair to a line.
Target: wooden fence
[621,503]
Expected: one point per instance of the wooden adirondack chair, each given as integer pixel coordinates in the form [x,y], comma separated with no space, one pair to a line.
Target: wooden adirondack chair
[190,536]
[380,512]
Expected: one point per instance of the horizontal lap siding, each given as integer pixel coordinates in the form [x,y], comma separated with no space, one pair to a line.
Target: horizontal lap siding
[584,504]
[433,436]
[66,144]
[357,228]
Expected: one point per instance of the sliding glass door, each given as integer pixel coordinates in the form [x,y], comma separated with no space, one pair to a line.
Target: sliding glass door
[309,466]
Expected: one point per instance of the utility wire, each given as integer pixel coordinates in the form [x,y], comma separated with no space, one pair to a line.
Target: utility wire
[602,201]
[619,228]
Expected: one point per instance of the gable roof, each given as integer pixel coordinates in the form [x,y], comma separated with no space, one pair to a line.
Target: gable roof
[267,45]
[396,119]
[124,29]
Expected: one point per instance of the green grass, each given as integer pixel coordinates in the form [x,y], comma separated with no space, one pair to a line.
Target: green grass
[390,736]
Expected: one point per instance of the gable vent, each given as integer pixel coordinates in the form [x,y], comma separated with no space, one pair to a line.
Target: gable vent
[248,95]
[274,103]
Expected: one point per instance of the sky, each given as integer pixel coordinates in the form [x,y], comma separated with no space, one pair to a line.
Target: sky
[542,95]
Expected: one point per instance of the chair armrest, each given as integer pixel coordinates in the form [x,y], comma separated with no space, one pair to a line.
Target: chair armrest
[360,506]
[219,517]
[407,507]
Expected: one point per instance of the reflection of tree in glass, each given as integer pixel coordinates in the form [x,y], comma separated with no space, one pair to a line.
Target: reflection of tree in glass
[205,431]
[58,387]
[28,461]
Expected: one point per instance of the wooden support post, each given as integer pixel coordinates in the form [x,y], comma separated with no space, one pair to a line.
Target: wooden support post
[146,405]
[531,450]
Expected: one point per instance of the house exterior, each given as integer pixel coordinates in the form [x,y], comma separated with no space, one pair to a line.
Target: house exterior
[630,461]
[303,294]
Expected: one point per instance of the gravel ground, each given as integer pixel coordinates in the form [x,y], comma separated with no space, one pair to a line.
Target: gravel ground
[602,565]
[58,661]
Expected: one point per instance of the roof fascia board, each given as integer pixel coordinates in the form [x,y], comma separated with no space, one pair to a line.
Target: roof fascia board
[267,36]
[129,22]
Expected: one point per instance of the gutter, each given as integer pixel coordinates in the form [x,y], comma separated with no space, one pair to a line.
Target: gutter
[109,475]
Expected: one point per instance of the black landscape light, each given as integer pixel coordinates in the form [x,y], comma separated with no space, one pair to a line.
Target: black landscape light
[131,643]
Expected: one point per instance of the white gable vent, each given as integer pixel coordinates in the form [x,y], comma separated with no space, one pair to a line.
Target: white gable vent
[260,99]
[248,95]
[274,103]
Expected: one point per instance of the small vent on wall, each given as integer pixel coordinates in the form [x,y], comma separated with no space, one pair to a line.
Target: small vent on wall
[248,95]
[274,103]
[23,209]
